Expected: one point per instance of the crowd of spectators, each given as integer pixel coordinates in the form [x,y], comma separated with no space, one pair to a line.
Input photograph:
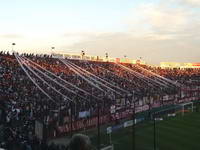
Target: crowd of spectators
[22,103]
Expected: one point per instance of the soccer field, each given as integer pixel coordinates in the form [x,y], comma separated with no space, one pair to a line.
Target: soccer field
[176,133]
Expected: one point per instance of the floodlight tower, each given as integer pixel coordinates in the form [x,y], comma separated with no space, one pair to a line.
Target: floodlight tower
[106,55]
[13,44]
[82,54]
[52,49]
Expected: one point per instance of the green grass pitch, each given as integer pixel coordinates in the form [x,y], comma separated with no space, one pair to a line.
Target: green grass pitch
[176,133]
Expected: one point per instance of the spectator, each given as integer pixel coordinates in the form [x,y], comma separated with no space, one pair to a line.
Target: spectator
[80,142]
[21,102]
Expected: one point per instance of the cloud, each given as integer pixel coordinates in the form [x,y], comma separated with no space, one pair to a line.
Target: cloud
[162,21]
[152,51]
[156,31]
[194,3]
[78,34]
[11,36]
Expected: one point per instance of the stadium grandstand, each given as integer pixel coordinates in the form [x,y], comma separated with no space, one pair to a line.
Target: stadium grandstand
[45,97]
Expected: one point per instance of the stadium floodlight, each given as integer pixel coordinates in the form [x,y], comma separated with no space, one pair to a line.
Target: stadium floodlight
[82,54]
[13,44]
[106,55]
[52,49]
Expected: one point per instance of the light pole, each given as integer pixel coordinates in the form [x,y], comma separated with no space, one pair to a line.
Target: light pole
[133,126]
[154,129]
[13,44]
[107,56]
[98,126]
[82,54]
[72,109]
[71,120]
[133,117]
[52,49]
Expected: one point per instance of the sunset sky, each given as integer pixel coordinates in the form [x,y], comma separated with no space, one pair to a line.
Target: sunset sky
[156,30]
